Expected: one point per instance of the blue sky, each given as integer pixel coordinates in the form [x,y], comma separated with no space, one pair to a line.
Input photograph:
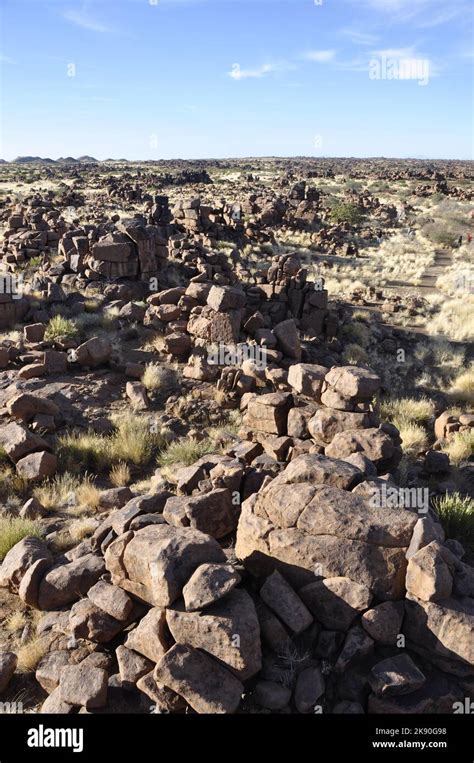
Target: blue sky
[152,79]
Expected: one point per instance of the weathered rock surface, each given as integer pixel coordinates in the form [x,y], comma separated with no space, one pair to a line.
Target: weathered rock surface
[228,630]
[205,685]
[209,583]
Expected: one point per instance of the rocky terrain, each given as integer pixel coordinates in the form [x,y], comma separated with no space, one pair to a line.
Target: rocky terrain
[236,436]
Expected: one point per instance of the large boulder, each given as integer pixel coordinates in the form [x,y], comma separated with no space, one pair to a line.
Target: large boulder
[212,513]
[395,676]
[208,584]
[20,558]
[353,382]
[374,444]
[336,602]
[304,528]
[268,413]
[17,441]
[327,423]
[83,686]
[307,379]
[445,628]
[428,575]
[67,582]
[156,562]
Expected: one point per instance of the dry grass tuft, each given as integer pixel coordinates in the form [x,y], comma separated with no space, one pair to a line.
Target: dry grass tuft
[120,474]
[414,437]
[68,491]
[418,411]
[30,653]
[462,387]
[14,529]
[461,447]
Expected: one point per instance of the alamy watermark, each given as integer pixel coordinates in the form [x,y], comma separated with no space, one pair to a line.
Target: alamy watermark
[236,354]
[387,497]
[386,67]
[11,708]
[11,284]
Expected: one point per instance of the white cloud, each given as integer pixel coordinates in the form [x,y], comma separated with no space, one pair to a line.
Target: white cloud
[359,38]
[320,56]
[238,73]
[423,13]
[394,53]
[83,20]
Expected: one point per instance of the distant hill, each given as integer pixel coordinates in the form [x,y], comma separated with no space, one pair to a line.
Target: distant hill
[47,160]
[32,160]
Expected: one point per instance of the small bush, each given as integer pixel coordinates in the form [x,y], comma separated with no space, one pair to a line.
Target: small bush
[439,234]
[418,411]
[361,316]
[186,451]
[14,529]
[461,447]
[156,377]
[456,514]
[82,450]
[413,436]
[16,621]
[134,441]
[120,474]
[356,333]
[462,388]
[30,654]
[82,528]
[344,212]
[68,490]
[60,326]
[355,355]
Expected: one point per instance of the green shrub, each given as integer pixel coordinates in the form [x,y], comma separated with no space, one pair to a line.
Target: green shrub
[14,529]
[60,326]
[344,212]
[186,451]
[456,514]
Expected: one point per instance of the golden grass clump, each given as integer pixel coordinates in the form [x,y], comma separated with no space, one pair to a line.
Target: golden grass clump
[30,653]
[185,451]
[408,409]
[462,387]
[14,529]
[120,475]
[134,441]
[461,447]
[60,326]
[68,490]
[414,437]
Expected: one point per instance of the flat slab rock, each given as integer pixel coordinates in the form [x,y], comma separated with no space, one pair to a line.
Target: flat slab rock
[443,627]
[228,630]
[304,526]
[395,676]
[83,686]
[205,685]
